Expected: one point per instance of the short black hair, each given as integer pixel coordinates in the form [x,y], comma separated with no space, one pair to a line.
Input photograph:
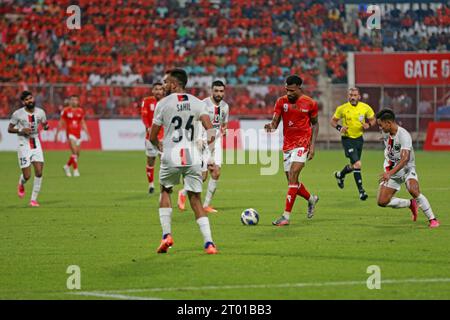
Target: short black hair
[25,94]
[180,75]
[386,115]
[218,83]
[294,79]
[157,83]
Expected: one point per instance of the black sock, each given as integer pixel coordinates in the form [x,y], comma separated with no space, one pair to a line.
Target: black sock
[358,179]
[347,169]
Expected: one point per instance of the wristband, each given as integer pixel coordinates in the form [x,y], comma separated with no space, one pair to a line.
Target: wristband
[338,127]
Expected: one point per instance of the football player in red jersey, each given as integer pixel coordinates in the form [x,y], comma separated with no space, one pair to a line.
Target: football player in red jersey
[147,110]
[300,128]
[72,119]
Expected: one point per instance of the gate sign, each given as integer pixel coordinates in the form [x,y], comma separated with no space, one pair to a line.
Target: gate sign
[402,68]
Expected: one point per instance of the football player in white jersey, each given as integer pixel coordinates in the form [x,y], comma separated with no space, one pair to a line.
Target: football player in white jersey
[25,123]
[399,168]
[218,111]
[178,113]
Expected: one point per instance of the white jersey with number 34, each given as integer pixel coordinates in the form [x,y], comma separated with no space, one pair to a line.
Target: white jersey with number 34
[178,113]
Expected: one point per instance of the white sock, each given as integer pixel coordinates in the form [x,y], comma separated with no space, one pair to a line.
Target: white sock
[22,180]
[287,215]
[151,185]
[165,217]
[425,206]
[212,185]
[398,203]
[36,188]
[205,229]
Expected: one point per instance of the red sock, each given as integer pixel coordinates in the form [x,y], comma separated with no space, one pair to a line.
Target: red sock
[150,173]
[75,161]
[290,197]
[303,192]
[69,163]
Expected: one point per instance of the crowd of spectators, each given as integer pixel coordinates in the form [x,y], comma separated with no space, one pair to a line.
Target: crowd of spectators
[247,43]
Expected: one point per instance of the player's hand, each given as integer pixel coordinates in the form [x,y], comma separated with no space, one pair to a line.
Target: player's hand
[88,136]
[384,177]
[343,130]
[268,127]
[25,131]
[311,153]
[365,125]
[160,146]
[223,131]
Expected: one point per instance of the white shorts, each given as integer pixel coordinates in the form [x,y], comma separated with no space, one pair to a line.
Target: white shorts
[294,155]
[150,149]
[26,156]
[192,176]
[75,140]
[396,181]
[218,154]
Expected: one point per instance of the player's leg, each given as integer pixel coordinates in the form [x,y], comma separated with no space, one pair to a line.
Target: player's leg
[38,170]
[214,179]
[358,146]
[340,175]
[24,157]
[193,186]
[386,194]
[414,190]
[24,177]
[150,171]
[73,159]
[212,186]
[168,178]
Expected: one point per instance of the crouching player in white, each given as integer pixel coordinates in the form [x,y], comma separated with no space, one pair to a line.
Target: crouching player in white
[178,113]
[400,167]
[25,123]
[218,111]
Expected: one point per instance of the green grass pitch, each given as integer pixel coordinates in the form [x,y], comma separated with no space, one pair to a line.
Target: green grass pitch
[107,224]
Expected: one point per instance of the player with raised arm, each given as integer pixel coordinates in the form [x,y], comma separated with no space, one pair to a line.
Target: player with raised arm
[300,128]
[25,123]
[218,111]
[148,106]
[399,168]
[356,117]
[178,113]
[72,119]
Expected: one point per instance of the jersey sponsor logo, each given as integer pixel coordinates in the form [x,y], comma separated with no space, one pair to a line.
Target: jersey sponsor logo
[182,97]
[304,110]
[290,123]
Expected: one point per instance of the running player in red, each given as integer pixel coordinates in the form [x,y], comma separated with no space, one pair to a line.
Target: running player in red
[72,119]
[300,128]
[147,110]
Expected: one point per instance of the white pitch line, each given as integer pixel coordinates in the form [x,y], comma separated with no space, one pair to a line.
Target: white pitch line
[110,295]
[281,285]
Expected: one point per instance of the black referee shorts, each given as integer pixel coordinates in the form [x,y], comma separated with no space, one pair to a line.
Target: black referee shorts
[353,148]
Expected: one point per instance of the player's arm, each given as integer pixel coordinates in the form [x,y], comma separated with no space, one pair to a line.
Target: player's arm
[371,122]
[211,133]
[224,128]
[273,125]
[404,158]
[334,122]
[315,133]
[85,128]
[22,132]
[154,136]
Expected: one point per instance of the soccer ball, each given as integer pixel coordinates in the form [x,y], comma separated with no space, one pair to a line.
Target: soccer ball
[250,217]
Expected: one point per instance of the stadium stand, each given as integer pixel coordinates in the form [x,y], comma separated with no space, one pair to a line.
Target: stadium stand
[123,43]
